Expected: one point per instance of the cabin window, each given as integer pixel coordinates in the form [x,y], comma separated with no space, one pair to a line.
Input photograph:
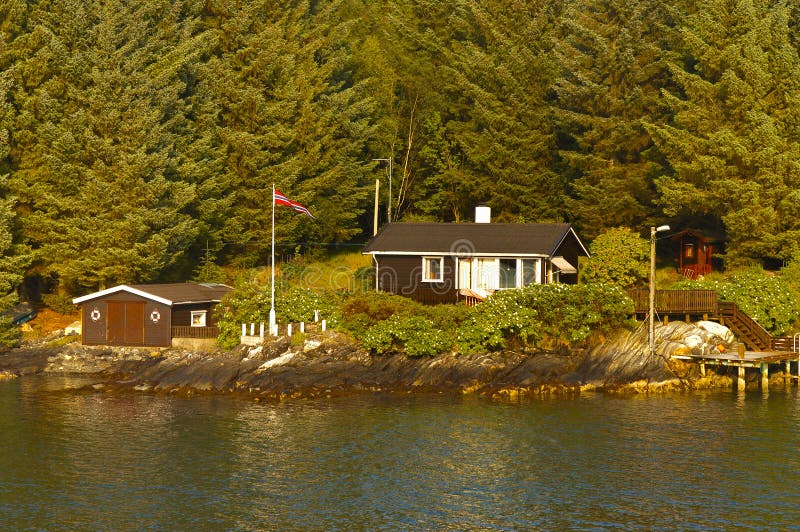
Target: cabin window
[433,269]
[689,251]
[529,271]
[199,318]
[508,273]
[486,274]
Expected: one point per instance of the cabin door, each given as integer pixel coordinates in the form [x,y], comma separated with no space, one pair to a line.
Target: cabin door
[125,323]
[465,273]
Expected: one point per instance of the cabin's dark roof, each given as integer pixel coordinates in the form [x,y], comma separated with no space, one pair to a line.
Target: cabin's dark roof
[186,292]
[471,238]
[170,293]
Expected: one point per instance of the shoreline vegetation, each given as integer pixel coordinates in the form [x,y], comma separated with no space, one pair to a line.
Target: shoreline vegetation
[541,341]
[331,364]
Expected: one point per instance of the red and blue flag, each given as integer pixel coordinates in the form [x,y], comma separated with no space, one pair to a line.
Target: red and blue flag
[280,199]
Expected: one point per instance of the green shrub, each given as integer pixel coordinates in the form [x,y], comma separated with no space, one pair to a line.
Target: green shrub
[61,303]
[363,311]
[416,335]
[384,322]
[618,256]
[552,312]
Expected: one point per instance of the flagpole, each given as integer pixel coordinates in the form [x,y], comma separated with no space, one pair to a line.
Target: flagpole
[272,320]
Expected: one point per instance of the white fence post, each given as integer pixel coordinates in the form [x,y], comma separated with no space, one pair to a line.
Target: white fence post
[289,330]
[302,326]
[324,325]
[261,331]
[316,316]
[252,329]
[244,329]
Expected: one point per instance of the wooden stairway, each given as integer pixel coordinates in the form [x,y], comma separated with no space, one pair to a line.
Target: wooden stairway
[746,329]
[706,303]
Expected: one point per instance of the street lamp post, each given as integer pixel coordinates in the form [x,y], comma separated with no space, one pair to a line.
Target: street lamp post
[388,207]
[651,317]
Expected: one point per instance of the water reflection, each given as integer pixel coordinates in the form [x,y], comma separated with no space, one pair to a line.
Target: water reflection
[98,461]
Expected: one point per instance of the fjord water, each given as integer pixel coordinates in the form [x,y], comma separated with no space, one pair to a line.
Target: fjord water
[95,461]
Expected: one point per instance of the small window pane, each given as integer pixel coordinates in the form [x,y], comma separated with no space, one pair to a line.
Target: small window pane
[198,318]
[508,273]
[432,269]
[528,272]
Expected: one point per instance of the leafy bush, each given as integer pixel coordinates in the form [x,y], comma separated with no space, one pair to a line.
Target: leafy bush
[417,335]
[617,256]
[553,312]
[383,322]
[363,311]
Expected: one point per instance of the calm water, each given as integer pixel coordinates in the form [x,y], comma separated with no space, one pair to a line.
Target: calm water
[134,462]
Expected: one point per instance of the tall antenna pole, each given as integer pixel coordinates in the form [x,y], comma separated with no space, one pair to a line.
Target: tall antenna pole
[272,320]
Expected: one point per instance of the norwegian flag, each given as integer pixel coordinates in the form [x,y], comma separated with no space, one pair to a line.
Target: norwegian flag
[280,199]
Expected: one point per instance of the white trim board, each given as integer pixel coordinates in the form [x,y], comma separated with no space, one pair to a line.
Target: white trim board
[121,288]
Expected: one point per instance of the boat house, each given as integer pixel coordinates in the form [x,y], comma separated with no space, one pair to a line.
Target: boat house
[153,315]
[448,262]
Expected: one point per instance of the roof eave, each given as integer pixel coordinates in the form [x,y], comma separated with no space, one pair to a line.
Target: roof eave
[121,288]
[569,231]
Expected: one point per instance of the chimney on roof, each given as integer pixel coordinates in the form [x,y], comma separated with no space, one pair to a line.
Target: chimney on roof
[483,214]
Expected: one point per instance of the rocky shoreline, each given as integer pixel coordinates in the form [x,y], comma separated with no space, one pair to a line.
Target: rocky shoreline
[332,364]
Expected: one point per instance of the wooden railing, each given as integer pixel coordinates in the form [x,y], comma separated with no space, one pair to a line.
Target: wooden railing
[785,343]
[195,332]
[676,301]
[746,328]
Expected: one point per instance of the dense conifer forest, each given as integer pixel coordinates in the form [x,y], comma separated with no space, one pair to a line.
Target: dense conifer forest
[138,139]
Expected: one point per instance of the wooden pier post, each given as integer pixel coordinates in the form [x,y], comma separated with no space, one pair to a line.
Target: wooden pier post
[702,369]
[740,382]
[764,377]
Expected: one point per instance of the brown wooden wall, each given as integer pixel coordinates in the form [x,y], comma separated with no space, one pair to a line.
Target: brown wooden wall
[182,314]
[402,275]
[125,319]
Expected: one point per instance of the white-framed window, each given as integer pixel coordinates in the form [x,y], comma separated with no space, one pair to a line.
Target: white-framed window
[199,318]
[433,269]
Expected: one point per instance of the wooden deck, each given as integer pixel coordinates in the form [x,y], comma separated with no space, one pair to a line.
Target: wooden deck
[748,359]
[751,359]
[705,304]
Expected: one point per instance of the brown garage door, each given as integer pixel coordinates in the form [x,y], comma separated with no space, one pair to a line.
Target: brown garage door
[125,323]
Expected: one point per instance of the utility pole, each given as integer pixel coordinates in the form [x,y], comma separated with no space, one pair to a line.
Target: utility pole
[651,317]
[389,206]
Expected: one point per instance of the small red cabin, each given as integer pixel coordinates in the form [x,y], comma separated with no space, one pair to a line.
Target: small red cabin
[695,252]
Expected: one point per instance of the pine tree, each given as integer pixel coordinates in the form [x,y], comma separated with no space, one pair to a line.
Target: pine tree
[286,113]
[732,143]
[612,73]
[13,258]
[503,69]
[98,175]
